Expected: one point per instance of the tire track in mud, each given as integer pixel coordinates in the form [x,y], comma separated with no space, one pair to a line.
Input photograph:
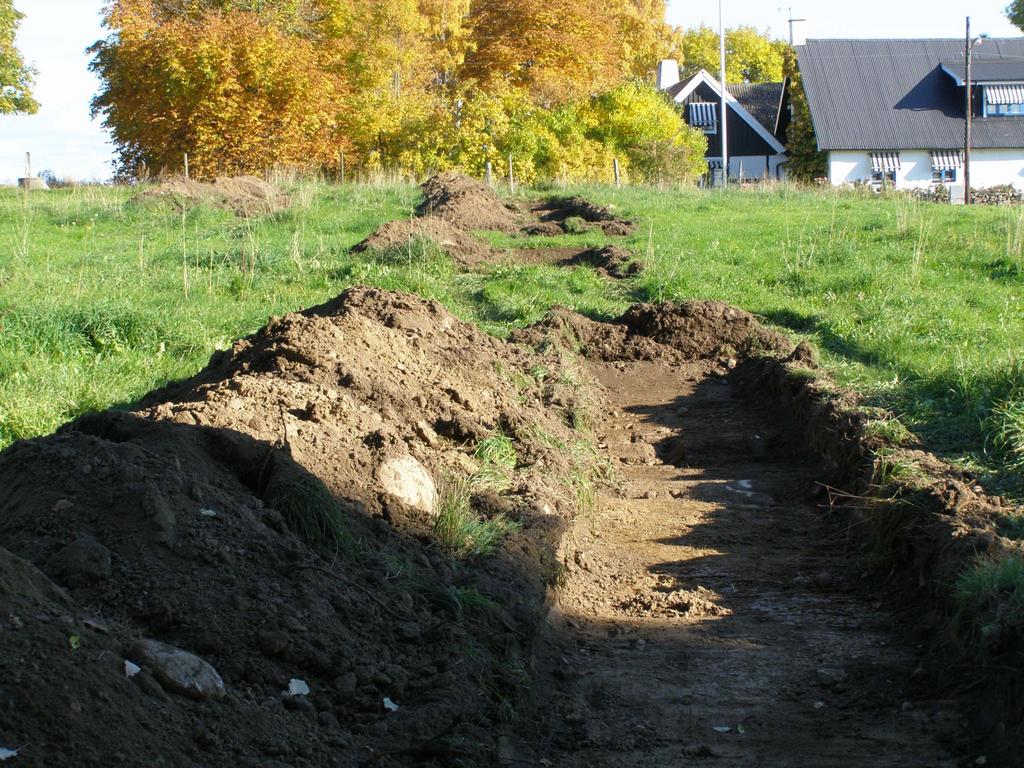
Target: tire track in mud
[711,611]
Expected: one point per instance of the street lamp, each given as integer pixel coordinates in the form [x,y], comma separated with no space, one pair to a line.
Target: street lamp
[792,21]
[968,108]
[724,129]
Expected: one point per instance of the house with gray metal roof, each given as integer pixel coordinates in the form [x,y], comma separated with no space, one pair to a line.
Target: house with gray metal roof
[893,111]
[758,115]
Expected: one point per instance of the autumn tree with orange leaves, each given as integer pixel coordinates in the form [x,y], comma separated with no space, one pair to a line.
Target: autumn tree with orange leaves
[414,85]
[234,92]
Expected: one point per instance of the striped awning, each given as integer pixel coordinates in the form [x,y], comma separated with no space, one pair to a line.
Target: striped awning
[885,161]
[1004,94]
[947,160]
[703,114]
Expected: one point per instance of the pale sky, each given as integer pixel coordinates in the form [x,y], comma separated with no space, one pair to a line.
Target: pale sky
[63,138]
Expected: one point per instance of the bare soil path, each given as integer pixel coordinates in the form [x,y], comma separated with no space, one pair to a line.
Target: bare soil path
[712,614]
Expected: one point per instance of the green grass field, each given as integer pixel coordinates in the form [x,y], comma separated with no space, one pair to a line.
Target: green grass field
[919,306]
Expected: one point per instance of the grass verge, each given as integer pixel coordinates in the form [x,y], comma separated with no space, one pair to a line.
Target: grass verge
[920,306]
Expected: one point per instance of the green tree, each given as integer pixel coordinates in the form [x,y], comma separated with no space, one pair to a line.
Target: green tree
[806,162]
[16,77]
[751,57]
[1015,13]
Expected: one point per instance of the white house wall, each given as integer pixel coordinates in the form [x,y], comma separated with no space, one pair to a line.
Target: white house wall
[756,167]
[994,167]
[989,168]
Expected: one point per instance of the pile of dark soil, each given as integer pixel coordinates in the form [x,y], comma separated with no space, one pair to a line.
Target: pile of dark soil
[245,195]
[694,330]
[467,204]
[557,215]
[271,522]
[455,205]
[400,235]
[611,260]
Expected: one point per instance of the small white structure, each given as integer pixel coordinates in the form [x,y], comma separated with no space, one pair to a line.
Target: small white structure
[893,112]
[29,182]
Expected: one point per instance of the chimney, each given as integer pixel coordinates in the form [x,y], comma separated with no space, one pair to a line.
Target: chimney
[668,73]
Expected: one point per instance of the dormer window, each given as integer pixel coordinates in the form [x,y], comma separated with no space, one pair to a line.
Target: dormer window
[1004,100]
[704,115]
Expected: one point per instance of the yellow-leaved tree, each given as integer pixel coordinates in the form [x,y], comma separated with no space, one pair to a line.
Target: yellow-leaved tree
[557,51]
[751,57]
[234,92]
[401,85]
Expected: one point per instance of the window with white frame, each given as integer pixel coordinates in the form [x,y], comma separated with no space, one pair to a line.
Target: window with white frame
[704,115]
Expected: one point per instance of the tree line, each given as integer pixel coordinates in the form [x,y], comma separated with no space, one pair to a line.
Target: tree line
[407,85]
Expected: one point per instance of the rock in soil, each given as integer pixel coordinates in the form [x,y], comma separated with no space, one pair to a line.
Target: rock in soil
[178,671]
[80,562]
[407,480]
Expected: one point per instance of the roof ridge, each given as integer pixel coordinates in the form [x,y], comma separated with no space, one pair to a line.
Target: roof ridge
[904,39]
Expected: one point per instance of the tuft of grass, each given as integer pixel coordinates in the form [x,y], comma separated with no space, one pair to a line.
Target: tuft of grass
[310,511]
[575,225]
[892,471]
[458,602]
[586,469]
[990,601]
[460,530]
[891,431]
[1006,425]
[498,451]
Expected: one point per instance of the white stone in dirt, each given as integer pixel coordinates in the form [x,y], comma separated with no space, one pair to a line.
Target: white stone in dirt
[409,481]
[178,671]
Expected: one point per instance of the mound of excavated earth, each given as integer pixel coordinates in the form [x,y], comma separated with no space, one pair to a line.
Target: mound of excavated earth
[468,204]
[172,591]
[553,215]
[454,206]
[335,544]
[694,330]
[612,260]
[245,195]
[398,235]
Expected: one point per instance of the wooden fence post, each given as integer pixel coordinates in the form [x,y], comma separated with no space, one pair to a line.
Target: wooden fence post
[511,176]
[186,166]
[341,167]
[615,168]
[488,173]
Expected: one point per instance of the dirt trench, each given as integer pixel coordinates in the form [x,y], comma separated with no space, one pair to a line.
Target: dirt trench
[712,613]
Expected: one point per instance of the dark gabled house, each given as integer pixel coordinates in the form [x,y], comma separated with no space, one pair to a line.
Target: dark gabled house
[893,111]
[758,115]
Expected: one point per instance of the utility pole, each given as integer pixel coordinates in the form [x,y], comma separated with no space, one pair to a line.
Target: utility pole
[724,119]
[968,113]
[792,21]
